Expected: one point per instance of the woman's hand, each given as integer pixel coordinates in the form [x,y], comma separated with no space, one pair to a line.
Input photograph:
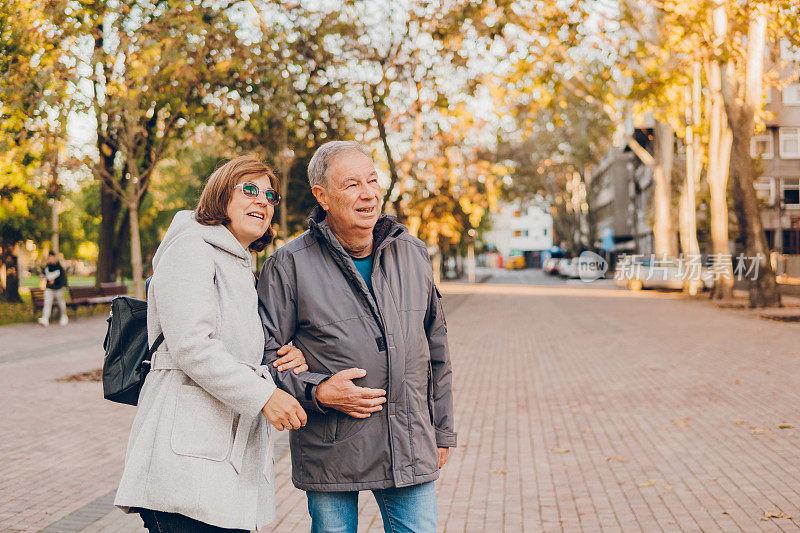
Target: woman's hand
[292,358]
[283,411]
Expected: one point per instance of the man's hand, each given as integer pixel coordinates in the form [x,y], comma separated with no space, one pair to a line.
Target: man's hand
[292,358]
[283,411]
[444,455]
[340,393]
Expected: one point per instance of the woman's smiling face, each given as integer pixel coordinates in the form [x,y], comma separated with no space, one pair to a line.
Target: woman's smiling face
[250,217]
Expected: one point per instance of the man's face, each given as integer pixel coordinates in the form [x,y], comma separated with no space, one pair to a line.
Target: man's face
[51,260]
[351,194]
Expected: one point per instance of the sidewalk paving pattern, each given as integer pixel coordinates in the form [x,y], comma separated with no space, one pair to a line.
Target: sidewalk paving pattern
[578,409]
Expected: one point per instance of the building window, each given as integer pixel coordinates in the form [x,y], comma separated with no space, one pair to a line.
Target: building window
[545,232]
[517,233]
[791,94]
[791,241]
[789,139]
[768,95]
[761,146]
[517,213]
[791,192]
[765,189]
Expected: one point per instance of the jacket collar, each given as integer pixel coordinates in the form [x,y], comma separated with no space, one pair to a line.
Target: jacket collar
[386,229]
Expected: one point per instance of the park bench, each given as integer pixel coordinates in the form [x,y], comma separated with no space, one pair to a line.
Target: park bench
[85,297]
[37,299]
[114,288]
[78,297]
[88,296]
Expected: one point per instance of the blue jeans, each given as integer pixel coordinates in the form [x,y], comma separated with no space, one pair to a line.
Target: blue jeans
[162,522]
[404,510]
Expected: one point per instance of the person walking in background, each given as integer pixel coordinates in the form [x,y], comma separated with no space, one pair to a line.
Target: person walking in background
[199,458]
[55,280]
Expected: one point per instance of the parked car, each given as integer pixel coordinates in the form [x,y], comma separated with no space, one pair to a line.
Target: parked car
[515,262]
[550,266]
[568,268]
[645,273]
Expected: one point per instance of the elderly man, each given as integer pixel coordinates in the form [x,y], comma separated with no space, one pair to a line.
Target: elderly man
[355,293]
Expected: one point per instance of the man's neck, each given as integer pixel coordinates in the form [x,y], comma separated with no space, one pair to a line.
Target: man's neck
[356,243]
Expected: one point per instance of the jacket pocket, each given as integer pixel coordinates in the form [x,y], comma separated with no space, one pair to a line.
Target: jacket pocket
[203,425]
[340,426]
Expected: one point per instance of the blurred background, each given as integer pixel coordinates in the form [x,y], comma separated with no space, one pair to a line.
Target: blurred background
[506,133]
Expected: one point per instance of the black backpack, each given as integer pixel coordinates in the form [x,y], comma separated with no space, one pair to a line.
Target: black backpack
[127,358]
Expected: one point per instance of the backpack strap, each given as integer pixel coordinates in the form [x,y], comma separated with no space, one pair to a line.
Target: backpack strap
[156,344]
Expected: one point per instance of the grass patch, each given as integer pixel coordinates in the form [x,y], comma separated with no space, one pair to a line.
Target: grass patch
[78,281]
[14,313]
[19,313]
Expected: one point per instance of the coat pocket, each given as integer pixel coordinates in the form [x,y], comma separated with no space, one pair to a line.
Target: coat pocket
[203,425]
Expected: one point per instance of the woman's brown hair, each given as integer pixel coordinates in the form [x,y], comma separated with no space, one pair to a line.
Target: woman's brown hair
[212,208]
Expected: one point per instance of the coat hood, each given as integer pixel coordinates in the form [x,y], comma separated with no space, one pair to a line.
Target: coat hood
[184,223]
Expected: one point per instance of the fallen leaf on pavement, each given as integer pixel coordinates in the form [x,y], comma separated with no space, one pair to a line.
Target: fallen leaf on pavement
[620,458]
[681,422]
[648,483]
[738,421]
[561,450]
[92,375]
[498,471]
[773,514]
[758,431]
[785,426]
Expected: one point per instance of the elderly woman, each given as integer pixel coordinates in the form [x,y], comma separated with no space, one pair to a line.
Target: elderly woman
[199,456]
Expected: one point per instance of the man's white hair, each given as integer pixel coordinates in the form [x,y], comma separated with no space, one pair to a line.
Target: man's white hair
[321,160]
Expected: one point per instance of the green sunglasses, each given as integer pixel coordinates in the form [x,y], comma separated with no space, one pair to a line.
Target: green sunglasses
[251,190]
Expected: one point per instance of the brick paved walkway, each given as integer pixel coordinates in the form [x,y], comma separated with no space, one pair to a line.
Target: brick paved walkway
[578,409]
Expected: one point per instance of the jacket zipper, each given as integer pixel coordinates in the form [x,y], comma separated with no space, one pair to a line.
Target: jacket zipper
[376,314]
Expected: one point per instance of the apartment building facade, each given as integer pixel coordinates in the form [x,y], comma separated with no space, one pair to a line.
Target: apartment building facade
[522,228]
[778,188]
[621,200]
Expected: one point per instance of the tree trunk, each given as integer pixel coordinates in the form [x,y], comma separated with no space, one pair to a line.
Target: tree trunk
[136,248]
[741,111]
[719,154]
[286,167]
[394,178]
[54,226]
[663,232]
[110,247]
[764,290]
[687,203]
[9,274]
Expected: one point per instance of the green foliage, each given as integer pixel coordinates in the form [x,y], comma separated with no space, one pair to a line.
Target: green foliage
[22,206]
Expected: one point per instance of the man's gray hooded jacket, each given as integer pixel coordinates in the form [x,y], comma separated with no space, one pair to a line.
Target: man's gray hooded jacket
[311,293]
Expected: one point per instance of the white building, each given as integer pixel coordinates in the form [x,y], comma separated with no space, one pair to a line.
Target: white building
[521,228]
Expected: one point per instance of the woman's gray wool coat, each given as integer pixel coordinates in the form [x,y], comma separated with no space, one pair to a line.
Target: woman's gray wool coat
[199,445]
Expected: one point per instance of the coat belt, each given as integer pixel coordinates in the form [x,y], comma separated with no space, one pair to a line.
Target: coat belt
[162,360]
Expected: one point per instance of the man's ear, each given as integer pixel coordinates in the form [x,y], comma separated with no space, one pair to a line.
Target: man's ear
[321,195]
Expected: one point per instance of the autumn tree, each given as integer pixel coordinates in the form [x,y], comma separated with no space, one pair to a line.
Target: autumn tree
[157,70]
[34,76]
